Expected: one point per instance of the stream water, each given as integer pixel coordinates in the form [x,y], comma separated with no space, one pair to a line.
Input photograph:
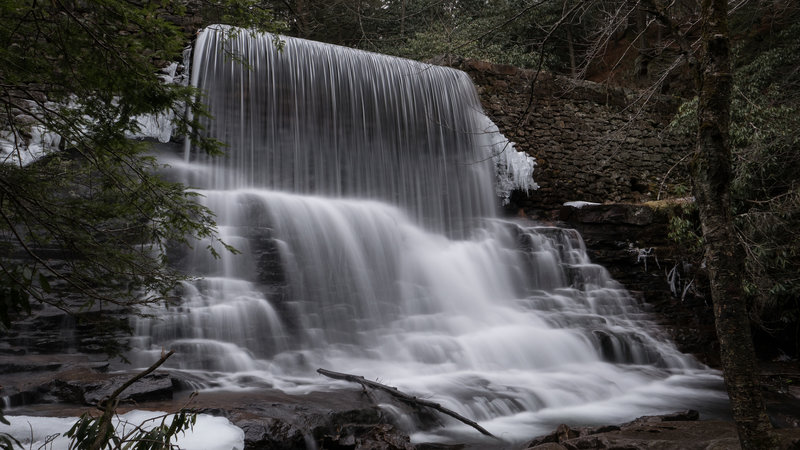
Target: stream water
[362,192]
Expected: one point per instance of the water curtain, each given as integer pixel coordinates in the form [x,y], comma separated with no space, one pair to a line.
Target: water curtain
[361,191]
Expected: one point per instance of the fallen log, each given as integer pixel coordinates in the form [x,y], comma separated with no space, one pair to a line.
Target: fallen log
[402,396]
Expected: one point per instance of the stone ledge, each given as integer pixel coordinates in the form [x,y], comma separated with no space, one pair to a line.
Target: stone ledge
[680,430]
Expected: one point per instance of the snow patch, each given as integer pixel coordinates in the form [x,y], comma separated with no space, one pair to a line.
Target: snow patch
[22,149]
[27,143]
[580,204]
[156,126]
[209,432]
[514,169]
[159,126]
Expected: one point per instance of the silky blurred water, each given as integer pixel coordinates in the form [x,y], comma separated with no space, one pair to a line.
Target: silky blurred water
[360,190]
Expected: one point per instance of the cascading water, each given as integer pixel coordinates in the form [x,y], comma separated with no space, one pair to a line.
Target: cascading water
[360,190]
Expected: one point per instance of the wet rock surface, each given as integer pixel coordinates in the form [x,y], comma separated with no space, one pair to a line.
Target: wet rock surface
[681,430]
[270,419]
[75,380]
[780,383]
[274,420]
[349,418]
[631,241]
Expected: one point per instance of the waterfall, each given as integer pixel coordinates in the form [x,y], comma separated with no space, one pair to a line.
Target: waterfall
[361,192]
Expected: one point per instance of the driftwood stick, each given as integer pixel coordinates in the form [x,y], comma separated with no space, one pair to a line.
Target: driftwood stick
[402,396]
[113,397]
[109,405]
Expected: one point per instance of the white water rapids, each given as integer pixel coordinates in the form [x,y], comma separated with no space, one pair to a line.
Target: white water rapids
[360,190]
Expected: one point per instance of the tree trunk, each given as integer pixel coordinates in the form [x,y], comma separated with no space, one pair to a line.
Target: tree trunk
[301,15]
[402,18]
[573,70]
[723,252]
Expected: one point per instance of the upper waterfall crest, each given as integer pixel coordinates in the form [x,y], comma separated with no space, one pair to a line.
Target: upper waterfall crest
[321,119]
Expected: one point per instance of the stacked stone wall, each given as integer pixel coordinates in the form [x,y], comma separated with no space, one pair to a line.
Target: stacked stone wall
[592,142]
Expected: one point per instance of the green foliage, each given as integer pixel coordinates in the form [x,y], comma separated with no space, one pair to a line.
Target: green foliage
[248,14]
[13,296]
[765,119]
[517,32]
[441,40]
[96,433]
[681,190]
[92,217]
[685,121]
[766,139]
[684,231]
[8,442]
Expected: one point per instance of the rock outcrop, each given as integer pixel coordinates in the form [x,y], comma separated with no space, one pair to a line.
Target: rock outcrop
[680,430]
[592,142]
[631,241]
[70,385]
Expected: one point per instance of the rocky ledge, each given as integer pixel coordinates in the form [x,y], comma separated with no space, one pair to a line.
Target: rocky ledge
[631,241]
[681,430]
[344,418]
[71,385]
